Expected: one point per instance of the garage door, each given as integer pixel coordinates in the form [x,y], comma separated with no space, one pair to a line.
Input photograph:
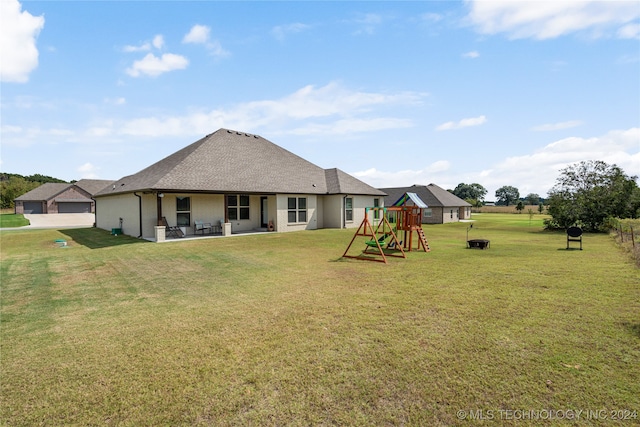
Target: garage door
[76,207]
[32,207]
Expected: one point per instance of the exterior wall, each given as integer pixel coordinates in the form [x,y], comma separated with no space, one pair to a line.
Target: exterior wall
[465,212]
[322,212]
[440,215]
[282,221]
[333,212]
[110,209]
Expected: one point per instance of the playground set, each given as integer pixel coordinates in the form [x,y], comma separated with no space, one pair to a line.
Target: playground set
[382,238]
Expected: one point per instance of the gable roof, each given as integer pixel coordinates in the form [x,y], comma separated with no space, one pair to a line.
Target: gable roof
[431,194]
[49,190]
[46,191]
[232,161]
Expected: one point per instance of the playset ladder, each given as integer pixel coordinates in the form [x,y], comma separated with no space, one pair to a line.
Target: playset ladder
[423,240]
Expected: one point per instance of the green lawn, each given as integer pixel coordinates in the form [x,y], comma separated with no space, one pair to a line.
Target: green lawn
[278,330]
[13,220]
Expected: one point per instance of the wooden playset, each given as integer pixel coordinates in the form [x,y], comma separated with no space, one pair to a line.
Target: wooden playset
[382,238]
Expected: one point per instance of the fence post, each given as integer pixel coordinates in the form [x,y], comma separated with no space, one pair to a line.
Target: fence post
[633,239]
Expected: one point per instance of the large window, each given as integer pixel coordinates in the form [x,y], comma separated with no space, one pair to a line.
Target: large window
[238,206]
[183,211]
[297,209]
[427,213]
[348,209]
[376,212]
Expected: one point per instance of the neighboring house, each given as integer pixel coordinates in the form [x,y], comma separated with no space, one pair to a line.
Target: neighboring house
[240,180]
[51,198]
[443,206]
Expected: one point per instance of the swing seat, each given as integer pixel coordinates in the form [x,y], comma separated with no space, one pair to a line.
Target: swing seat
[381,240]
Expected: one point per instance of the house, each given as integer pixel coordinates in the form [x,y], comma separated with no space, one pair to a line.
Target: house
[443,206]
[237,181]
[52,198]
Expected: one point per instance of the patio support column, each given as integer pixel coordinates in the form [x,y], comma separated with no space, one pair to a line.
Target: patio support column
[159,197]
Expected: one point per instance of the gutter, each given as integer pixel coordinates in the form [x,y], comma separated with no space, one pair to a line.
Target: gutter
[139,212]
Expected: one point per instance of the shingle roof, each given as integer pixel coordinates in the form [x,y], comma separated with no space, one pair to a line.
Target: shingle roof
[232,161]
[431,194]
[339,182]
[46,191]
[92,186]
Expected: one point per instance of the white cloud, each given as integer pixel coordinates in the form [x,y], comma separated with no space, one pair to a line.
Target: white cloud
[281,31]
[629,31]
[18,32]
[473,54]
[531,173]
[367,23]
[433,173]
[537,172]
[158,41]
[558,126]
[473,121]
[152,65]
[199,34]
[141,48]
[328,110]
[550,19]
[88,171]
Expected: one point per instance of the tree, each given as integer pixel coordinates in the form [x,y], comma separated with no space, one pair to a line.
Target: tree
[532,199]
[470,192]
[588,193]
[507,195]
[520,206]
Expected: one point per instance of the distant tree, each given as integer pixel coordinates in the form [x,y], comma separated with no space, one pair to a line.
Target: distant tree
[588,193]
[507,195]
[520,206]
[540,207]
[532,199]
[470,191]
[14,186]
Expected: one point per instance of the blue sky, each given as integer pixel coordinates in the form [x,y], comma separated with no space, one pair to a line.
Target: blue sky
[395,93]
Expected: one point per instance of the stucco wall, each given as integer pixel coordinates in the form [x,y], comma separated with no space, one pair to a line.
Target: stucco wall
[110,209]
[283,225]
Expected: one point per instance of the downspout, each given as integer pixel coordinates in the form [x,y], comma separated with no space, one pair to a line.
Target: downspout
[139,211]
[95,212]
[344,211]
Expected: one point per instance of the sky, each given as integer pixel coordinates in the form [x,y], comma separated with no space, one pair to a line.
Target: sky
[499,93]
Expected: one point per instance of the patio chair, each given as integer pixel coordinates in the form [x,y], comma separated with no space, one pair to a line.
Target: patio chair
[171,231]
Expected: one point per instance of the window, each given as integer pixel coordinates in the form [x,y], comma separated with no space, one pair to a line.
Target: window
[238,206]
[297,209]
[183,211]
[427,213]
[376,204]
[451,213]
[348,209]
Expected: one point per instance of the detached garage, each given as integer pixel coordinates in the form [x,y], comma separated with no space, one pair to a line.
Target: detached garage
[52,198]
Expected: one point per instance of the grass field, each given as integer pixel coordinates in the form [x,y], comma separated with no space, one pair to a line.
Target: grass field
[276,329]
[13,220]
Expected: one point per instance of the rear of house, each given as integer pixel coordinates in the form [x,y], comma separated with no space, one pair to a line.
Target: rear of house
[235,182]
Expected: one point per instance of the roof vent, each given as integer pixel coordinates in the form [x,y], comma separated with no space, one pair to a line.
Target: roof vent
[255,136]
[228,131]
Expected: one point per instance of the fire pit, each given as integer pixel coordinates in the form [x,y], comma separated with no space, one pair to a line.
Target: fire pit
[478,243]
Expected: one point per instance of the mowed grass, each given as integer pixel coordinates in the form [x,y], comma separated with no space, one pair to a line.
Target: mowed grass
[13,220]
[277,329]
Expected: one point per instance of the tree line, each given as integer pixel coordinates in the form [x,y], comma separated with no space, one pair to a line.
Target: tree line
[14,185]
[590,194]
